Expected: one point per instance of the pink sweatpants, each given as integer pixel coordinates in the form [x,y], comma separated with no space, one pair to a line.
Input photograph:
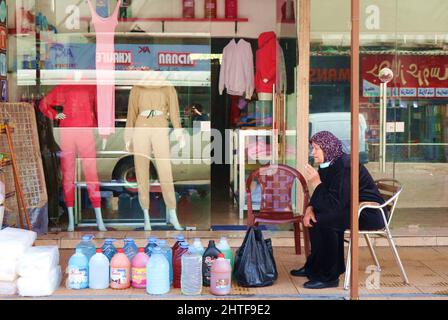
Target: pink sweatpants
[79,141]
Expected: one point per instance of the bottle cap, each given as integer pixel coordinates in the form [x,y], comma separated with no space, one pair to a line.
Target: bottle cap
[87,237]
[141,249]
[128,240]
[221,256]
[109,241]
[99,250]
[152,240]
[161,242]
[120,250]
[184,245]
[180,238]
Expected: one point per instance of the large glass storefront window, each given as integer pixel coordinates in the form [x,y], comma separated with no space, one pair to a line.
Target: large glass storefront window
[115,85]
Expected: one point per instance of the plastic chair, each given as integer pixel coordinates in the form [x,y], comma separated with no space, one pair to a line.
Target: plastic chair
[390,191]
[276,182]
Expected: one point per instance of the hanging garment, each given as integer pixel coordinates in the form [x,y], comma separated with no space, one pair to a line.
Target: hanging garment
[150,136]
[235,111]
[105,68]
[266,64]
[76,136]
[237,69]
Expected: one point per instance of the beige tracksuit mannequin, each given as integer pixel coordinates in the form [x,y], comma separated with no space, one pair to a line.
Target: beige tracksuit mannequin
[150,137]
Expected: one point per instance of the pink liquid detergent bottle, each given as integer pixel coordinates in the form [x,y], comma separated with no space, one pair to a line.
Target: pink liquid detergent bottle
[120,271]
[221,277]
[138,271]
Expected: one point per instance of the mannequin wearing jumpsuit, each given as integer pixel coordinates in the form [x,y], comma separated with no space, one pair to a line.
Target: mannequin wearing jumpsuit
[76,137]
[147,129]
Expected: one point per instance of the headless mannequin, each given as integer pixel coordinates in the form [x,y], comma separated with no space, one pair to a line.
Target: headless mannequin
[71,220]
[148,132]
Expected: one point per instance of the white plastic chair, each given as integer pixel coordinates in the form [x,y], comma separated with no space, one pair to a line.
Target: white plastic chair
[390,190]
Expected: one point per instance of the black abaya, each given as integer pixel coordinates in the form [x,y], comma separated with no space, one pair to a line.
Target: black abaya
[331,205]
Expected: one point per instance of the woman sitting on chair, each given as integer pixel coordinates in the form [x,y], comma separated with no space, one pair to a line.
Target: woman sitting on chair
[328,215]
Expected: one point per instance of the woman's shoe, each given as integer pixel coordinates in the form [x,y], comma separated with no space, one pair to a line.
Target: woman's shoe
[299,272]
[321,285]
[172,218]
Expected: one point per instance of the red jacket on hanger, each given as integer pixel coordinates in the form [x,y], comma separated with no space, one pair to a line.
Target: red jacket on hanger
[266,63]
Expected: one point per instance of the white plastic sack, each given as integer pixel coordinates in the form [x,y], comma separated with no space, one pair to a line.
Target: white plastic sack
[40,286]
[8,288]
[8,269]
[14,242]
[38,260]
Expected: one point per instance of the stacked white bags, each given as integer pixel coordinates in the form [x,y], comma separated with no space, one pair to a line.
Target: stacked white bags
[13,244]
[39,271]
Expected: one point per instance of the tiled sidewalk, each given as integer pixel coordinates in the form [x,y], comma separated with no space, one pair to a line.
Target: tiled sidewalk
[427,269]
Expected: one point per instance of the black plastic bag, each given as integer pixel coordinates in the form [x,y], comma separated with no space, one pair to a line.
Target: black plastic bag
[254,261]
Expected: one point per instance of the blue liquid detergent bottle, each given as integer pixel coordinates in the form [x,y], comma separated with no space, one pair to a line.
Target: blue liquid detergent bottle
[166,249]
[109,249]
[130,248]
[157,273]
[78,271]
[87,246]
[152,243]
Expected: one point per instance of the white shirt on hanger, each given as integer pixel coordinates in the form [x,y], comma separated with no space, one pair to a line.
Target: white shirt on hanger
[237,69]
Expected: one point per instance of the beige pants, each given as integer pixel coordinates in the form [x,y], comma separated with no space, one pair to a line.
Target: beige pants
[150,138]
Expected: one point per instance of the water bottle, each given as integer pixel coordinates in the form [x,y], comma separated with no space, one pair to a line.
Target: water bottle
[158,273]
[109,249]
[152,243]
[224,247]
[198,246]
[179,239]
[191,278]
[99,271]
[78,271]
[130,248]
[168,254]
[87,246]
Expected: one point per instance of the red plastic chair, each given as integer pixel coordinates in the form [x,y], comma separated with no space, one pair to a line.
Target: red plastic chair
[276,182]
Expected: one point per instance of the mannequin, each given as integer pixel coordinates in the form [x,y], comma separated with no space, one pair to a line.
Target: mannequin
[76,121]
[147,133]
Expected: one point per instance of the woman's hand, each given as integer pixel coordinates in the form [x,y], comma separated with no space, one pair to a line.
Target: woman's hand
[312,176]
[309,216]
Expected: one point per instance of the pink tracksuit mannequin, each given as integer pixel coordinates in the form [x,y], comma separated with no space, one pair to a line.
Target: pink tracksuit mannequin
[76,136]
[105,68]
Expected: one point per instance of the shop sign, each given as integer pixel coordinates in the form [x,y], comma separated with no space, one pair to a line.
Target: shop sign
[134,57]
[414,76]
[442,92]
[330,69]
[175,59]
[3,38]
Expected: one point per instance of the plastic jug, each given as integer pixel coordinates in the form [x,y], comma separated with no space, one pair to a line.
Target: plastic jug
[78,271]
[109,249]
[99,271]
[209,256]
[138,279]
[177,264]
[130,248]
[224,247]
[231,11]
[197,245]
[221,276]
[152,243]
[168,254]
[191,278]
[210,9]
[120,271]
[87,246]
[179,239]
[157,273]
[188,9]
